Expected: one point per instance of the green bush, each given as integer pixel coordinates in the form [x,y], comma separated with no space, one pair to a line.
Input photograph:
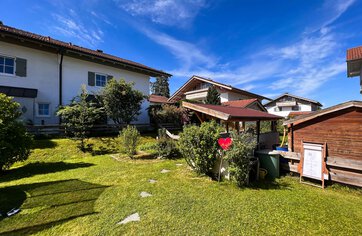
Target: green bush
[239,157]
[198,145]
[15,142]
[166,148]
[129,137]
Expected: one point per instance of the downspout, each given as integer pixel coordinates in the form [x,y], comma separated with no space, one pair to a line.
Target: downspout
[61,51]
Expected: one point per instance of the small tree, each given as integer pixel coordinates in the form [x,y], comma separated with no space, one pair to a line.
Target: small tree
[15,142]
[79,117]
[198,145]
[161,87]
[129,137]
[121,102]
[213,96]
[239,157]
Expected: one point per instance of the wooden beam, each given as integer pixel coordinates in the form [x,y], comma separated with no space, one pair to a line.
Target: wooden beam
[199,116]
[207,111]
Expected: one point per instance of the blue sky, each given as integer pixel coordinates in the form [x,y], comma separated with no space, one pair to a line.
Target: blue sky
[267,47]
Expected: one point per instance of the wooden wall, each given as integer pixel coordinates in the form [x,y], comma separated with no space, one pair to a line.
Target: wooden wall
[342,131]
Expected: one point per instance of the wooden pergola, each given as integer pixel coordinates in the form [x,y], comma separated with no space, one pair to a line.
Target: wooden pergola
[231,115]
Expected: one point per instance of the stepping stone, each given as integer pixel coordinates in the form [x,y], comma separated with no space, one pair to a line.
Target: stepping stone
[145,194]
[130,218]
[179,164]
[164,171]
[152,181]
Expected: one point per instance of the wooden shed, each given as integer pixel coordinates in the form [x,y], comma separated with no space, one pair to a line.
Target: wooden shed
[340,128]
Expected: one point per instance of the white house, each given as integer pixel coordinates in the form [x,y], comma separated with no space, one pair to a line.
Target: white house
[288,103]
[196,89]
[42,73]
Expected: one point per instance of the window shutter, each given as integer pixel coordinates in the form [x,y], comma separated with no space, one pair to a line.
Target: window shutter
[20,67]
[91,78]
[109,77]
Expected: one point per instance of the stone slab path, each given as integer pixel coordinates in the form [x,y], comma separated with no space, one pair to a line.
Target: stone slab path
[130,218]
[145,194]
[164,171]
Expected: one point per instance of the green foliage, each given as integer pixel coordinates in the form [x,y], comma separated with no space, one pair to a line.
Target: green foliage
[239,157]
[166,147]
[121,102]
[213,96]
[79,117]
[130,138]
[199,146]
[15,142]
[161,87]
[168,114]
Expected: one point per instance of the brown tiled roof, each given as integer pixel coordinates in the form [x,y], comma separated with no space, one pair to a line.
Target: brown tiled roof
[69,46]
[158,99]
[240,103]
[354,53]
[231,113]
[294,96]
[298,113]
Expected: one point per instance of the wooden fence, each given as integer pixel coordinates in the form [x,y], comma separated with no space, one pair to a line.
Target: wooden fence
[59,130]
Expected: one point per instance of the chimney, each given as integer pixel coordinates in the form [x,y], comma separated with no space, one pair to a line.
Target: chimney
[98,50]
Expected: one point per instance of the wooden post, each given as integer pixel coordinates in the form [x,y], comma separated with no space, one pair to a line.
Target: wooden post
[227,127]
[273,126]
[257,131]
[237,127]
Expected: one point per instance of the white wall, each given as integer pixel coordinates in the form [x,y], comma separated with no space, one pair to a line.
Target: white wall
[75,73]
[43,74]
[286,110]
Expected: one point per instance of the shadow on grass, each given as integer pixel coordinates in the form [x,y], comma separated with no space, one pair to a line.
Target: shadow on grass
[46,204]
[102,147]
[269,184]
[39,168]
[44,143]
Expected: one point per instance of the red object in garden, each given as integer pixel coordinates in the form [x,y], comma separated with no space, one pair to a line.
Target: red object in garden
[225,143]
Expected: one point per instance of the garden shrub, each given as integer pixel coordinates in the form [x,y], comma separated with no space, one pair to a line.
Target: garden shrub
[198,145]
[15,142]
[166,148]
[129,137]
[79,117]
[168,114]
[238,157]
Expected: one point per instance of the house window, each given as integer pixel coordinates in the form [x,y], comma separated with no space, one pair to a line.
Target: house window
[43,109]
[101,80]
[7,65]
[295,108]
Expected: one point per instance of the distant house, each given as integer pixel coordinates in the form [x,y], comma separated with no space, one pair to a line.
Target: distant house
[42,73]
[354,63]
[287,103]
[196,89]
[158,100]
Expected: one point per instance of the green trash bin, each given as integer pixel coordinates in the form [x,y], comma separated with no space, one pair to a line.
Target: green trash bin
[269,160]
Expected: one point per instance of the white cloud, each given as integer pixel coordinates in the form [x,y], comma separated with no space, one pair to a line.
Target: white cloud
[71,26]
[165,12]
[187,53]
[329,13]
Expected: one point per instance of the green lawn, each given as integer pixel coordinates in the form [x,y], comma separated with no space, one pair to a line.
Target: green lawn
[62,191]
